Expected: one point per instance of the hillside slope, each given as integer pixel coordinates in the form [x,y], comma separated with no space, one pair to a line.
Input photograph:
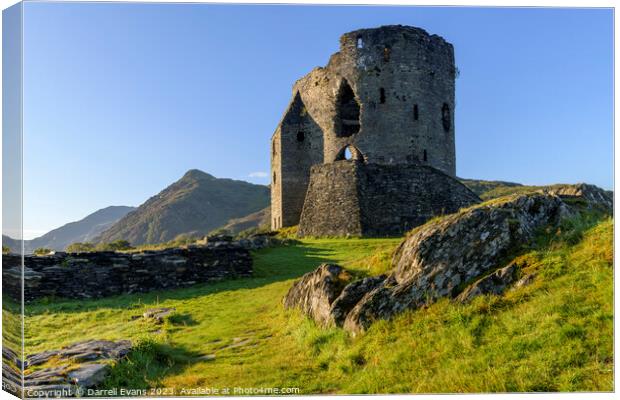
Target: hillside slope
[258,220]
[555,334]
[195,204]
[84,230]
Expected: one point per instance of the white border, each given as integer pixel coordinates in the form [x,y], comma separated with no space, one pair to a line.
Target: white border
[477,3]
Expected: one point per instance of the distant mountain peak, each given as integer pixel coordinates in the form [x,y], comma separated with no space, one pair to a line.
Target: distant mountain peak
[195,204]
[84,230]
[197,174]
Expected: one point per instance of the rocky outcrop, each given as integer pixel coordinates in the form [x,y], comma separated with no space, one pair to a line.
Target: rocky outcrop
[591,195]
[455,256]
[77,367]
[316,291]
[325,294]
[494,283]
[438,259]
[99,274]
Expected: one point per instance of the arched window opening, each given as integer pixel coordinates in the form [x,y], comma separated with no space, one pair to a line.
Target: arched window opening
[415,112]
[301,136]
[349,153]
[445,117]
[425,155]
[386,53]
[382,95]
[348,111]
[360,42]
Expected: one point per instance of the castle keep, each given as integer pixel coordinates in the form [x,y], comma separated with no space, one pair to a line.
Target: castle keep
[366,145]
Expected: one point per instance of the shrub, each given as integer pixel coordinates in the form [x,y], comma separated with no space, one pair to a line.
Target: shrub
[42,251]
[80,247]
[117,245]
[5,249]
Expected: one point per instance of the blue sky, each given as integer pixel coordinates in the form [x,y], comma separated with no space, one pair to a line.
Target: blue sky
[121,99]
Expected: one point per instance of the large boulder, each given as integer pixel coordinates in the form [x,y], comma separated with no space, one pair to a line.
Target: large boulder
[316,291]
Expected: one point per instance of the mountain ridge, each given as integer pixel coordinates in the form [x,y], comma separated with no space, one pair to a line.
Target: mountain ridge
[83,230]
[195,204]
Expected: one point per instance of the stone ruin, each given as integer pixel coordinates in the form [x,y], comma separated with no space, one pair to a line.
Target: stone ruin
[366,145]
[101,274]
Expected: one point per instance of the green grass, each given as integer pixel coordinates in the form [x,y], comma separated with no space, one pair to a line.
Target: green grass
[553,335]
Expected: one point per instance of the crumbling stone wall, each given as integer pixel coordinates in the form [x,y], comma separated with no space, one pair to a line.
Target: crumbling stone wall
[354,198]
[99,274]
[387,96]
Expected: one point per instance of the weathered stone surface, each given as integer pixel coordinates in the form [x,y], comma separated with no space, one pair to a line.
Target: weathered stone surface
[592,195]
[89,375]
[436,258]
[494,283]
[351,295]
[469,243]
[76,367]
[316,291]
[99,274]
[387,96]
[354,198]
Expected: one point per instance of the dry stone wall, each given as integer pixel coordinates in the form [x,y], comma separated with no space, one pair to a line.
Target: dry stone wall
[99,274]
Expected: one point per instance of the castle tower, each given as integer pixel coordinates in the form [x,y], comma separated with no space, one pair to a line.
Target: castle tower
[386,98]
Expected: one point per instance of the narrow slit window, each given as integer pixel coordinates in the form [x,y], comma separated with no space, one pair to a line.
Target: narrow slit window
[445,117]
[301,136]
[386,54]
[274,177]
[382,95]
[425,155]
[416,114]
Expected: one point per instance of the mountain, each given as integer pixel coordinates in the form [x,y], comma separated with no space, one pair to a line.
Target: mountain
[257,220]
[195,204]
[84,230]
[11,243]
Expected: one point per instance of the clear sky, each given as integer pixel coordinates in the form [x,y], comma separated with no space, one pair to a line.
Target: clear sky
[121,99]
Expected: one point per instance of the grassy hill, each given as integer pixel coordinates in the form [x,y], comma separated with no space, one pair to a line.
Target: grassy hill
[553,335]
[195,204]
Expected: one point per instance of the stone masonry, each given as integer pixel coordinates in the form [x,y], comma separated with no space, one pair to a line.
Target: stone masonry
[99,274]
[385,99]
[353,198]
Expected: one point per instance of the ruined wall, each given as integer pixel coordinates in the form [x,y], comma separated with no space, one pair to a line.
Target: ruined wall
[387,95]
[332,206]
[297,145]
[350,197]
[99,274]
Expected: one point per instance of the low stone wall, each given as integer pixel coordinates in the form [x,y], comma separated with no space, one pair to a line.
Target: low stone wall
[99,274]
[353,198]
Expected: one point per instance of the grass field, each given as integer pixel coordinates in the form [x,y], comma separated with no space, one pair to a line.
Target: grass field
[553,335]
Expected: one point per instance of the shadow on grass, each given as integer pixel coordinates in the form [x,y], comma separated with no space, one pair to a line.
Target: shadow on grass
[147,363]
[270,265]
